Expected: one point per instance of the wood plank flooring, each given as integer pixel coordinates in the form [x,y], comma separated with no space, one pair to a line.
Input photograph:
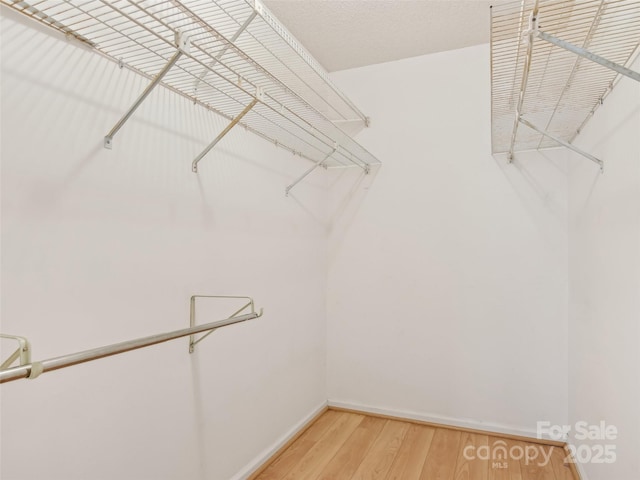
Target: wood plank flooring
[345,445]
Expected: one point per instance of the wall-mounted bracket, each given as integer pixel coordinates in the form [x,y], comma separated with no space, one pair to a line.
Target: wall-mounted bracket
[563,143]
[588,55]
[183,45]
[258,97]
[316,165]
[23,353]
[224,49]
[192,315]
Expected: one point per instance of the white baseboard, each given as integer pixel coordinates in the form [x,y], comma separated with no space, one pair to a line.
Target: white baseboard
[440,419]
[581,472]
[266,454]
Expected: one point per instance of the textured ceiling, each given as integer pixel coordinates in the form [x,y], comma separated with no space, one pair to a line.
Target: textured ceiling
[344,34]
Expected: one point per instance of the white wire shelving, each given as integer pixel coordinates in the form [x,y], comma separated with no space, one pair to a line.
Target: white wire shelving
[230,56]
[553,62]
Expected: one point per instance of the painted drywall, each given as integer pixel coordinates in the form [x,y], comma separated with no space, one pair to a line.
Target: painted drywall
[102,246]
[447,270]
[447,282]
[604,273]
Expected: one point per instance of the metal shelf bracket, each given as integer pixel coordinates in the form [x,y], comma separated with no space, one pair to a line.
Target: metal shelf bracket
[259,96]
[316,165]
[183,45]
[193,341]
[232,40]
[588,55]
[563,143]
[23,353]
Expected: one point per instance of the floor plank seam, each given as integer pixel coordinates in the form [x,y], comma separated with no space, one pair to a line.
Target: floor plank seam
[349,445]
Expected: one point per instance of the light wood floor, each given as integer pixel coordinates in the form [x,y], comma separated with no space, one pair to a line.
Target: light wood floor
[343,445]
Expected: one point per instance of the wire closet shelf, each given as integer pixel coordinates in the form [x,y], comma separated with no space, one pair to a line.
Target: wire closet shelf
[230,56]
[552,65]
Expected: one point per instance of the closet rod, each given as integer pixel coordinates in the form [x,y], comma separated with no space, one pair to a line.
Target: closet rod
[33,369]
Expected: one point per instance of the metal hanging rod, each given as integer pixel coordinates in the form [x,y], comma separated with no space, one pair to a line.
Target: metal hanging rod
[34,369]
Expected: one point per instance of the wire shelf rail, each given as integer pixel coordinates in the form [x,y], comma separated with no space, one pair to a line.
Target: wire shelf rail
[223,55]
[552,65]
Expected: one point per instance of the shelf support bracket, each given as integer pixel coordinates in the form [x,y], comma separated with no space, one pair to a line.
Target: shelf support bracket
[316,165]
[588,55]
[23,352]
[232,41]
[563,143]
[247,109]
[183,43]
[192,315]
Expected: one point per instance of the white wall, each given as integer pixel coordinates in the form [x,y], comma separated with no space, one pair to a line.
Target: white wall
[447,268]
[604,269]
[447,282]
[102,246]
